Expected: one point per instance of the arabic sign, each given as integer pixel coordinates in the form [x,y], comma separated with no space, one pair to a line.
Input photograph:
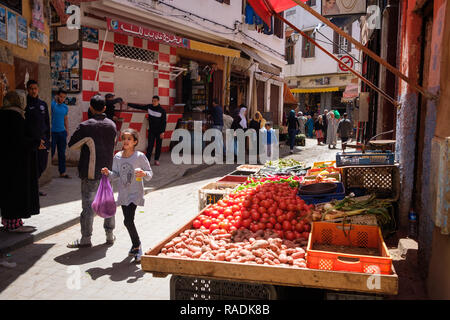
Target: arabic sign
[141,32]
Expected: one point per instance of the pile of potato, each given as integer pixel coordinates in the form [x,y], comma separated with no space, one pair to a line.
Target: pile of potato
[241,246]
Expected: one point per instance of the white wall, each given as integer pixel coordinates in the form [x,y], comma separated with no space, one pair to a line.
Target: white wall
[226,15]
[321,63]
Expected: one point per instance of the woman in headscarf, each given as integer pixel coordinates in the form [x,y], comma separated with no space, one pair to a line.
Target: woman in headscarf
[257,123]
[240,122]
[332,130]
[19,196]
[318,126]
[293,125]
[309,127]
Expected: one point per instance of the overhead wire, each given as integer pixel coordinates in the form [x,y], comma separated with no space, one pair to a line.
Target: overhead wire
[146,7]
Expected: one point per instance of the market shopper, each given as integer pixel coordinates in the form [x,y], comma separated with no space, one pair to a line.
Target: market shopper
[38,123]
[292,124]
[19,194]
[239,122]
[332,130]
[227,120]
[257,123]
[130,166]
[96,138]
[309,127]
[325,117]
[271,139]
[319,127]
[345,129]
[156,126]
[60,127]
[216,112]
[301,122]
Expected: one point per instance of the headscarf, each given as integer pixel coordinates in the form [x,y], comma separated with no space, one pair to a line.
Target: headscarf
[12,101]
[243,121]
[258,117]
[336,114]
[291,114]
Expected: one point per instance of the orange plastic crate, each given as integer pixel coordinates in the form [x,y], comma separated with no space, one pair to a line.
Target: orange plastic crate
[348,235]
[316,171]
[324,164]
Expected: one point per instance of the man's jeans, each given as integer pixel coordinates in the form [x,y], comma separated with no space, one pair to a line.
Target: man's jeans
[88,192]
[221,143]
[59,141]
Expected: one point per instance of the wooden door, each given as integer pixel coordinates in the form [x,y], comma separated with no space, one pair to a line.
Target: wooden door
[275,103]
[260,94]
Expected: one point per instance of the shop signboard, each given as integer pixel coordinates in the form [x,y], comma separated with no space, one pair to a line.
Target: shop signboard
[145,33]
[338,8]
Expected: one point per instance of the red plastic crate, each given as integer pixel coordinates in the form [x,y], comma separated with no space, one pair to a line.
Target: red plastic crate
[240,179]
[348,235]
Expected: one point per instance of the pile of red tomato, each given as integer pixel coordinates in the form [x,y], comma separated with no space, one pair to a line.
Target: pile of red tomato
[268,206]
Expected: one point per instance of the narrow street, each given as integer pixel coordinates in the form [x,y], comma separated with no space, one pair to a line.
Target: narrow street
[48,270]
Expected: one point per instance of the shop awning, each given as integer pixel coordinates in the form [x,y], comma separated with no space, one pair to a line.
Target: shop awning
[351,91]
[314,90]
[288,97]
[264,65]
[262,10]
[209,48]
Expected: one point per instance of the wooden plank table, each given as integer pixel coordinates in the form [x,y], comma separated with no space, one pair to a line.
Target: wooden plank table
[162,266]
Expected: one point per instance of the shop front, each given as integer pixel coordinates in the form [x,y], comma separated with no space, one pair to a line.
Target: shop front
[135,62]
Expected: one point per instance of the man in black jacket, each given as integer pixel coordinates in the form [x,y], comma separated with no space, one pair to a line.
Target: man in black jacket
[96,139]
[38,124]
[156,126]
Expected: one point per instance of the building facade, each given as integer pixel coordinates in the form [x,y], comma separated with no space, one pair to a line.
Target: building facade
[182,51]
[315,79]
[24,50]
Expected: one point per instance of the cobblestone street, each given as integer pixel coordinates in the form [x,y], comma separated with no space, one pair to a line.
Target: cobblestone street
[47,269]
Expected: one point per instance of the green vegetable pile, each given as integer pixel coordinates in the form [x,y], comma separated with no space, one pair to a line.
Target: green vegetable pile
[378,207]
[285,163]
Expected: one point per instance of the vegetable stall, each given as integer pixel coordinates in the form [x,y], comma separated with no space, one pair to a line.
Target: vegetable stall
[277,228]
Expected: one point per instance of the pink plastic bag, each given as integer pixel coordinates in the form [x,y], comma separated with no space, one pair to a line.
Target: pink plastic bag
[104,204]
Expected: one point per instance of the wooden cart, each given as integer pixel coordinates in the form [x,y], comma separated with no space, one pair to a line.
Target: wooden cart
[264,274]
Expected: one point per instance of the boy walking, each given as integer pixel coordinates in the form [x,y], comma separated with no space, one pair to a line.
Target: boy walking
[96,138]
[156,126]
[60,127]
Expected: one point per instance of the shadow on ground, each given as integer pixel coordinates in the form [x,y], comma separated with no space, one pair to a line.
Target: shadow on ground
[24,261]
[76,257]
[119,271]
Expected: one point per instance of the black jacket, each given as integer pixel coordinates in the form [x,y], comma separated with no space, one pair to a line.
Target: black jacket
[156,117]
[318,125]
[38,120]
[292,123]
[19,194]
[98,135]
